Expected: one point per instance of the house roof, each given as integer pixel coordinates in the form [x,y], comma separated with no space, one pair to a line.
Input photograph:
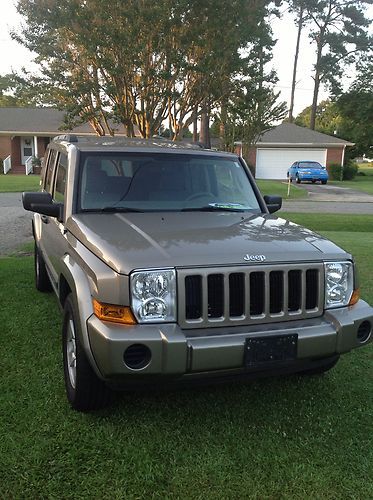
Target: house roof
[288,134]
[36,121]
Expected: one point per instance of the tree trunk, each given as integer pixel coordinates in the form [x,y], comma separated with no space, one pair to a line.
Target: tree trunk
[195,125]
[300,27]
[204,133]
[316,88]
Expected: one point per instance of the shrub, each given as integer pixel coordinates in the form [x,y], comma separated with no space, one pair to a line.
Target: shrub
[350,170]
[335,172]
[346,173]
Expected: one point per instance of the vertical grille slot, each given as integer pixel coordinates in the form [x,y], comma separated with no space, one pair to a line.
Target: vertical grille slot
[215,294]
[276,293]
[256,293]
[312,288]
[236,294]
[193,297]
[295,290]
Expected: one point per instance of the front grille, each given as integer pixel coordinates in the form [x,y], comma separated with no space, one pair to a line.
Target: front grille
[249,295]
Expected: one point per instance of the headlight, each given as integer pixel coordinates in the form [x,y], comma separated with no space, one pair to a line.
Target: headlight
[153,296]
[339,284]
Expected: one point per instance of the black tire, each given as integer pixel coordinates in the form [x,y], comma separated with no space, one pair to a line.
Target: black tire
[313,181]
[85,391]
[289,178]
[324,182]
[297,179]
[42,281]
[328,365]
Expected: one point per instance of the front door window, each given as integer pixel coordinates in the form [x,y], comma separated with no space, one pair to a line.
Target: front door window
[27,148]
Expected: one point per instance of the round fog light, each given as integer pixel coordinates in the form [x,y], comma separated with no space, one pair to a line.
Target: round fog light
[137,356]
[364,331]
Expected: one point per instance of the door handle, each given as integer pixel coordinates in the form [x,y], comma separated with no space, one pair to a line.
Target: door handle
[45,219]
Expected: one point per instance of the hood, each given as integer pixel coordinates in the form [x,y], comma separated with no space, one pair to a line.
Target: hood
[192,239]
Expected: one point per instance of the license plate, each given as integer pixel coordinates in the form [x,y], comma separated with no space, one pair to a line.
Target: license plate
[261,351]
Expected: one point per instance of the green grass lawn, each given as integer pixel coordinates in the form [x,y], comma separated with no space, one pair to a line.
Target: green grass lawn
[18,183]
[360,183]
[278,438]
[281,189]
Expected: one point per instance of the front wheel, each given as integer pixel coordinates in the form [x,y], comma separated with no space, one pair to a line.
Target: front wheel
[297,179]
[85,391]
[324,182]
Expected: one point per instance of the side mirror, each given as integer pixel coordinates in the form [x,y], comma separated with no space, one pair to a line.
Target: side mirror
[273,203]
[42,203]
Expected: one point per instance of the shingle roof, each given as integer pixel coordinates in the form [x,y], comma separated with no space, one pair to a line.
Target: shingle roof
[44,121]
[288,133]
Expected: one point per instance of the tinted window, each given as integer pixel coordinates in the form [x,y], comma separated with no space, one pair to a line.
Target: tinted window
[309,164]
[59,192]
[49,170]
[164,182]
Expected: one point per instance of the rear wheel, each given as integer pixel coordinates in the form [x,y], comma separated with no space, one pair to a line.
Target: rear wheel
[42,281]
[85,391]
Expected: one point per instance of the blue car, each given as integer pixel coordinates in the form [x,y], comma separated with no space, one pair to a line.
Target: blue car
[301,171]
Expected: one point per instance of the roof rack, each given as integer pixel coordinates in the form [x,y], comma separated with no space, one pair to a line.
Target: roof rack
[67,138]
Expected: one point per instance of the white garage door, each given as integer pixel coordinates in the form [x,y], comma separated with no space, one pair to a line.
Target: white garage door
[274,163]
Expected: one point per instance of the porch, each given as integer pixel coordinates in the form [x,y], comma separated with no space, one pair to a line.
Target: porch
[17,153]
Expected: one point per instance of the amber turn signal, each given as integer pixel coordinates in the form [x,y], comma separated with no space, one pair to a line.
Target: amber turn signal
[113,313]
[354,297]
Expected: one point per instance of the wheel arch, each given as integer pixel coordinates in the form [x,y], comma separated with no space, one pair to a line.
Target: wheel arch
[73,280]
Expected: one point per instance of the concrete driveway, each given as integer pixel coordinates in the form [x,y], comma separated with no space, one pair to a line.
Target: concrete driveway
[331,199]
[15,223]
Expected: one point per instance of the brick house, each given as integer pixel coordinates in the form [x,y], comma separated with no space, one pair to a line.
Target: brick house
[26,132]
[278,148]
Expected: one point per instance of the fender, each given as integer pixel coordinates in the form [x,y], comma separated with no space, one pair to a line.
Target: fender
[79,285]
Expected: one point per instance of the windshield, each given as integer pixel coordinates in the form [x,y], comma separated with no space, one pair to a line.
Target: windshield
[309,164]
[163,182]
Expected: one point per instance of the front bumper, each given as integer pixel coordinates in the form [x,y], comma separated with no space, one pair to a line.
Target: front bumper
[179,353]
[311,177]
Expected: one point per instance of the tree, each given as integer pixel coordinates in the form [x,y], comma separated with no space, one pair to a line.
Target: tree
[356,111]
[328,118]
[137,62]
[298,7]
[339,32]
[9,94]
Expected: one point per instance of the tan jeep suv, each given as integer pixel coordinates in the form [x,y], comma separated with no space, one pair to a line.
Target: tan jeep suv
[169,265]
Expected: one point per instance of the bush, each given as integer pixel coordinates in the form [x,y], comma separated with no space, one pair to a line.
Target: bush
[346,173]
[350,171]
[335,172]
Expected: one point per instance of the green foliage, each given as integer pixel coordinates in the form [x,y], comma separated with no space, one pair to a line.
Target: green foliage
[335,172]
[139,63]
[355,108]
[350,171]
[345,173]
[6,99]
[328,119]
[339,31]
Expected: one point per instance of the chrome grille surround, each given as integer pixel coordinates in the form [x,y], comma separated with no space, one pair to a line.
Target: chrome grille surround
[308,278]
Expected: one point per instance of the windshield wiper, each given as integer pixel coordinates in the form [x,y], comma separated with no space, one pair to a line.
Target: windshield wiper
[214,208]
[120,209]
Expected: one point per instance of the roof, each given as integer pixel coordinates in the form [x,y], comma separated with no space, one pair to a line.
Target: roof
[36,121]
[292,135]
[137,144]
